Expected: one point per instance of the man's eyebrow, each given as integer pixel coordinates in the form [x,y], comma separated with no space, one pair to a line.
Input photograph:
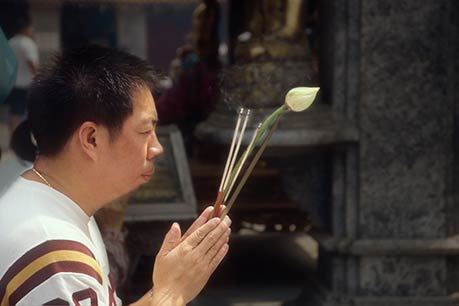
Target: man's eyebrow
[148,120]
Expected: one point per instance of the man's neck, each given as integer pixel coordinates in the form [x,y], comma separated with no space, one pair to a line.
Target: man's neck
[67,178]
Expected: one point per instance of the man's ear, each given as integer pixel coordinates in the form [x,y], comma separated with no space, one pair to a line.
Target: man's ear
[89,135]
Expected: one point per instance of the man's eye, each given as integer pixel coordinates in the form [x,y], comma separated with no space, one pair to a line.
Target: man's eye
[146,132]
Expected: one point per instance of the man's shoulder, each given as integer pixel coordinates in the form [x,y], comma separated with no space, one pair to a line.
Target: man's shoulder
[26,212]
[27,228]
[40,238]
[17,188]
[33,205]
[52,253]
[46,255]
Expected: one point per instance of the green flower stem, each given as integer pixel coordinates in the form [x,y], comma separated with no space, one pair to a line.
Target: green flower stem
[266,124]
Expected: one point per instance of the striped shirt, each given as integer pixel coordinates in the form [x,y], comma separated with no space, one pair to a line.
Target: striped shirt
[51,252]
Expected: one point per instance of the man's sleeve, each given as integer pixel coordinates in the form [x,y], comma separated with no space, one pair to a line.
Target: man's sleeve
[56,272]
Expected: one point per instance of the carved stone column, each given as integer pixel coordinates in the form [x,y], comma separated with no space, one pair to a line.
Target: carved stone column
[395,226]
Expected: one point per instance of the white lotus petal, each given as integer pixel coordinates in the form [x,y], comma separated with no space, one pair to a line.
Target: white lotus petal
[300,98]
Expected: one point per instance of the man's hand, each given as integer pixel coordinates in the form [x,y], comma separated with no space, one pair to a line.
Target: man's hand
[184,264]
[202,219]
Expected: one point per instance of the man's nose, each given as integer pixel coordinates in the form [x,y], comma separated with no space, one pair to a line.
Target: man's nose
[155,151]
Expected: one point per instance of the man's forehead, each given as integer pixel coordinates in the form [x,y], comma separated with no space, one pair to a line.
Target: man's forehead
[144,106]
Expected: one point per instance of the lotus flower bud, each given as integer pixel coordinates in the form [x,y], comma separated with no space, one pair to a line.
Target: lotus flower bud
[300,98]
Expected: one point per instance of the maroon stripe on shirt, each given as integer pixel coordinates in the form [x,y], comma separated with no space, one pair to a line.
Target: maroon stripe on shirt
[47,272]
[36,252]
[82,295]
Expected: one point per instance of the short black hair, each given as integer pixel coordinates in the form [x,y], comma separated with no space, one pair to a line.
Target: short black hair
[91,83]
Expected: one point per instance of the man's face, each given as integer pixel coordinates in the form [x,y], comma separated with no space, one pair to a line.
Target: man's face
[129,157]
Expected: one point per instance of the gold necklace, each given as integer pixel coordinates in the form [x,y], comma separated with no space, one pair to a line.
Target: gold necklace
[41,177]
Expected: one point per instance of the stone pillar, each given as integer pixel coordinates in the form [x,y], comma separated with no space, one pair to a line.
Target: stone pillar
[394,73]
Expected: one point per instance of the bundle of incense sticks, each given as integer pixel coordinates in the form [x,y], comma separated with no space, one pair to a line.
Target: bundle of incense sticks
[297,100]
[238,135]
[232,171]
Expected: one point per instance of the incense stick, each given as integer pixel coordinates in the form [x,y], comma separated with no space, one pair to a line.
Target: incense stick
[246,154]
[225,176]
[234,157]
[250,168]
[233,141]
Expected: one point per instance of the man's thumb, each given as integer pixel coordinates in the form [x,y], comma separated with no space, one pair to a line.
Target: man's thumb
[172,238]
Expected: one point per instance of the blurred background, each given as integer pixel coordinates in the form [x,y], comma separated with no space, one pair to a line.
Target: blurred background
[355,201]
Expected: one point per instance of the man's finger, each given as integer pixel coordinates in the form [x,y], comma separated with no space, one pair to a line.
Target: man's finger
[201,220]
[195,238]
[171,240]
[212,252]
[213,236]
[219,257]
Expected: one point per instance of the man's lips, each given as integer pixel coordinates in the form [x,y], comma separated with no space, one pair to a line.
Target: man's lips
[148,174]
